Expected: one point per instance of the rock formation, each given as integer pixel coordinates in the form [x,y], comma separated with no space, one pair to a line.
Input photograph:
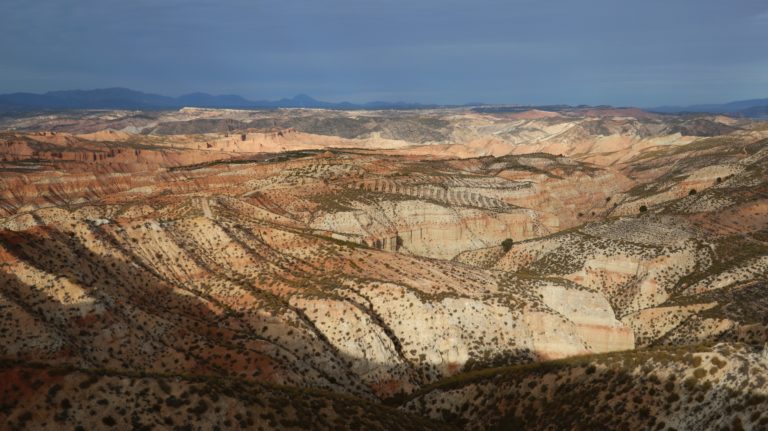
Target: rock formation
[200,258]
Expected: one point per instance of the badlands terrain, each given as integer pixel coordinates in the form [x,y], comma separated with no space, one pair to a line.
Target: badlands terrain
[487,268]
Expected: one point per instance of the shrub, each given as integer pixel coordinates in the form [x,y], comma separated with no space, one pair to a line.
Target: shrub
[692,192]
[507,244]
[643,208]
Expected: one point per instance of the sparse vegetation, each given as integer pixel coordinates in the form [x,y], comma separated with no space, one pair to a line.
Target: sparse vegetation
[169,279]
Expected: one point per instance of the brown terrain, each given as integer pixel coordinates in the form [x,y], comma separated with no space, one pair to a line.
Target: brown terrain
[313,269]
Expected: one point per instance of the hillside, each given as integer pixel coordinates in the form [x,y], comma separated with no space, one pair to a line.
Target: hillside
[476,269]
[39,397]
[699,387]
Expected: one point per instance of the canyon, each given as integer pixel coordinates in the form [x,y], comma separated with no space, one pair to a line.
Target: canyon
[452,268]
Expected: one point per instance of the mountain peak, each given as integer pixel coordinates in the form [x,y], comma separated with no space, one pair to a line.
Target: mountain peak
[303,98]
[125,98]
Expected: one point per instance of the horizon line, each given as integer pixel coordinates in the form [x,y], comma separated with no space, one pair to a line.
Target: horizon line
[304,95]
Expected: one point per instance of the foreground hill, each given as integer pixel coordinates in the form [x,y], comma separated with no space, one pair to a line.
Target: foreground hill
[700,387]
[44,398]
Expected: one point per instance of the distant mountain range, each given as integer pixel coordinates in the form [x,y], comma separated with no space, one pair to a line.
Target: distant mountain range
[754,108]
[124,98]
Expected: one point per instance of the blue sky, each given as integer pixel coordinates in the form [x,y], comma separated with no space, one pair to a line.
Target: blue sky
[642,53]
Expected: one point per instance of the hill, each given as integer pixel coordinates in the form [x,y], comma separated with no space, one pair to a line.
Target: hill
[754,108]
[446,268]
[123,98]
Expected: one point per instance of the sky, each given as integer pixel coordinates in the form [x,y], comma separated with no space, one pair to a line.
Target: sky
[619,52]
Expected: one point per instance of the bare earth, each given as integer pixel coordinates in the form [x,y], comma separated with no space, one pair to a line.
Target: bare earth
[312,269]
